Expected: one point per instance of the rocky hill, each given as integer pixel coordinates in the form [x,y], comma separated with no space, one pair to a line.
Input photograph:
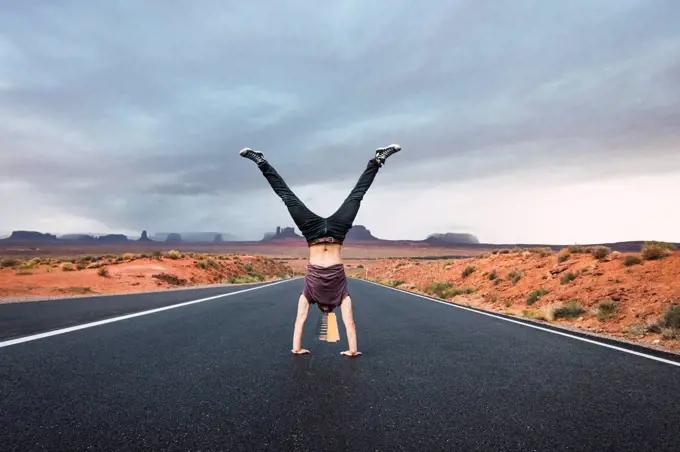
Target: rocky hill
[31,236]
[359,232]
[282,233]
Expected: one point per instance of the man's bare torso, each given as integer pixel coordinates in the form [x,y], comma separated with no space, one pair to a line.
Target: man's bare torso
[325,254]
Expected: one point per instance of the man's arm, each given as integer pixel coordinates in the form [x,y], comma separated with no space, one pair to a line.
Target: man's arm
[302,311]
[350,327]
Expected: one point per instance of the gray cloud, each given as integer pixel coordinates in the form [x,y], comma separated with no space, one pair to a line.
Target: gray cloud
[126,112]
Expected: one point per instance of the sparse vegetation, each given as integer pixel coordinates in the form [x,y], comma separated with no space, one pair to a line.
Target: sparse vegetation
[440,289]
[567,278]
[245,279]
[395,283]
[670,333]
[577,249]
[468,271]
[571,310]
[535,295]
[81,266]
[67,267]
[77,290]
[563,257]
[446,289]
[536,315]
[630,260]
[248,267]
[600,252]
[9,263]
[654,250]
[173,254]
[493,275]
[671,317]
[606,310]
[128,256]
[30,264]
[515,276]
[103,271]
[170,279]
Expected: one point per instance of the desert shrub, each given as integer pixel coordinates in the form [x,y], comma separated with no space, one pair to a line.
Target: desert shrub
[81,266]
[9,263]
[445,289]
[567,278]
[173,254]
[600,252]
[637,330]
[23,273]
[468,271]
[563,257]
[577,249]
[245,279]
[631,260]
[670,333]
[515,276]
[67,267]
[439,289]
[653,325]
[395,283]
[493,275]
[535,295]
[248,267]
[202,265]
[462,291]
[653,250]
[570,310]
[606,310]
[536,315]
[128,256]
[31,263]
[170,279]
[103,271]
[671,318]
[156,254]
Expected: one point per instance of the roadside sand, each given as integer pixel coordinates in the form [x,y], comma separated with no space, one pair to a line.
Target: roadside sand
[619,300]
[131,273]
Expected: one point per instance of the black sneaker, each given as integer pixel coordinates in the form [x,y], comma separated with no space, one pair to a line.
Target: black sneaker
[255,156]
[381,154]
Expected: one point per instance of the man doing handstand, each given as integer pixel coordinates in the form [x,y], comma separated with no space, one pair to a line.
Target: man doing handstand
[325,280]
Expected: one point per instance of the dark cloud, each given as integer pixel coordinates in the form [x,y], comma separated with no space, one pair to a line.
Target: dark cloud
[123,112]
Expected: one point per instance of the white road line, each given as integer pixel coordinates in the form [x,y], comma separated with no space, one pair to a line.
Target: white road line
[590,341]
[34,337]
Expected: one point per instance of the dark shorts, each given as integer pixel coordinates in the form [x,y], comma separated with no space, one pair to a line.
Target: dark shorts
[325,286]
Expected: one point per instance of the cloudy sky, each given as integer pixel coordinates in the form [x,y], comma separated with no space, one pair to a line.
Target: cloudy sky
[520,121]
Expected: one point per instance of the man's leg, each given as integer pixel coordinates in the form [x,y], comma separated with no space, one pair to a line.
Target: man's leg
[341,221]
[303,310]
[350,328]
[306,220]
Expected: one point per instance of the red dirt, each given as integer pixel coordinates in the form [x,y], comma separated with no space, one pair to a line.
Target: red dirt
[133,274]
[642,293]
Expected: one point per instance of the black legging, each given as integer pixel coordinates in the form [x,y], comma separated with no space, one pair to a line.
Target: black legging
[310,224]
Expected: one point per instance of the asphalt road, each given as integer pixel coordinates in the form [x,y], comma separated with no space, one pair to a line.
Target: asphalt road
[218,375]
